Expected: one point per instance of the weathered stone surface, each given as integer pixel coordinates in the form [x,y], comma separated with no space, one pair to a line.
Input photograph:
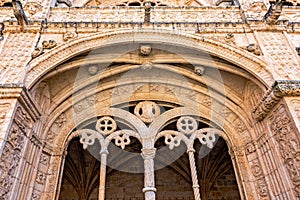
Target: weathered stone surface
[143,78]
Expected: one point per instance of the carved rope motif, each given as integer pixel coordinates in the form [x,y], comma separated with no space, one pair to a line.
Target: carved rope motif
[187,132]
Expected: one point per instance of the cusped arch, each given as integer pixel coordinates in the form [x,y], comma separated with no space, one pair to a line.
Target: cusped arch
[48,61]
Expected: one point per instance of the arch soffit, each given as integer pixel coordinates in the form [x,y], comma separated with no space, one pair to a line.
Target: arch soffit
[181,94]
[46,62]
[216,91]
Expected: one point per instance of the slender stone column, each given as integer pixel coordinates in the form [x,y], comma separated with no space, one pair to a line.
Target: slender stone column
[191,152]
[104,154]
[149,182]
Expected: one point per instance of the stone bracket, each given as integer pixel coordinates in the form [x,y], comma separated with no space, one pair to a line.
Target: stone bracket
[278,90]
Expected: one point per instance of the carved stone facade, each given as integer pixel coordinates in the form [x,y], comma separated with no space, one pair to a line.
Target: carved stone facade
[216,84]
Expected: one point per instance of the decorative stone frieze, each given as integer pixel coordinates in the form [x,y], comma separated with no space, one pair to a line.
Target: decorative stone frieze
[285,135]
[10,158]
[278,90]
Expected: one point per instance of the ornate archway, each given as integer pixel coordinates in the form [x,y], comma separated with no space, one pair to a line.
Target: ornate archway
[109,130]
[185,81]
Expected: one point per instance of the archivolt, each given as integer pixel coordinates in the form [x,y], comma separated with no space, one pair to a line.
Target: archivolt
[47,62]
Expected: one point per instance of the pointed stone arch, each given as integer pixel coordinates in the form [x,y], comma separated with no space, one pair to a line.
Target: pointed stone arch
[48,61]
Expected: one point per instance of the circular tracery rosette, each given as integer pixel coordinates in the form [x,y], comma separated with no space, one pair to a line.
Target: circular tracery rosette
[106,125]
[187,125]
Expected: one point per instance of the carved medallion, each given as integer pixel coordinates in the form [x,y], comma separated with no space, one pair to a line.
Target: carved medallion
[187,125]
[147,111]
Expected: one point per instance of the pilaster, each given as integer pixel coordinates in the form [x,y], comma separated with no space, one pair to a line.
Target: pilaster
[18,116]
[278,141]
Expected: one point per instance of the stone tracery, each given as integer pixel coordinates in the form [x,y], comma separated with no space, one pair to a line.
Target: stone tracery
[188,133]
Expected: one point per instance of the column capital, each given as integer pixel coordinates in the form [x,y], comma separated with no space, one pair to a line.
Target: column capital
[148,153]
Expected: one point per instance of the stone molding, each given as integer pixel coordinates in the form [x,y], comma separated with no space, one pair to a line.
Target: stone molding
[10,91]
[278,90]
[40,65]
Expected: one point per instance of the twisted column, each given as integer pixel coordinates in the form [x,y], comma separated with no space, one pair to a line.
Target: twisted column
[103,153]
[149,182]
[191,152]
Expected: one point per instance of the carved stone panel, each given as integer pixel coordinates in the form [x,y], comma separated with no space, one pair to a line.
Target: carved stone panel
[294,108]
[278,53]
[10,159]
[16,56]
[285,134]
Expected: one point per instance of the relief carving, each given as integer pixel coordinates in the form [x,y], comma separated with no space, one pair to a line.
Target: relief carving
[241,127]
[262,188]
[256,169]
[10,160]
[238,151]
[93,69]
[49,44]
[154,87]
[198,69]
[35,196]
[147,111]
[278,53]
[283,129]
[256,11]
[45,159]
[145,50]
[229,38]
[37,52]
[40,178]
[33,8]
[56,126]
[23,120]
[85,104]
[207,101]
[226,112]
[42,95]
[296,107]
[253,48]
[250,148]
[69,36]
